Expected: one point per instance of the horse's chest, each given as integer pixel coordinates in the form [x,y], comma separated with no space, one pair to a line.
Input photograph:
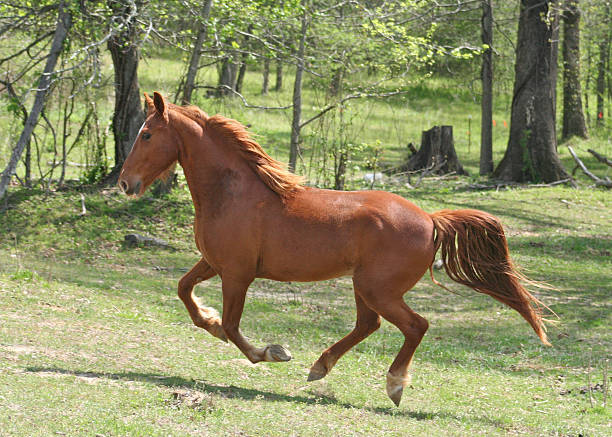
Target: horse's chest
[224,241]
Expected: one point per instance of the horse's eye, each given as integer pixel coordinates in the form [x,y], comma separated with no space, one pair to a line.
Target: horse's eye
[146,135]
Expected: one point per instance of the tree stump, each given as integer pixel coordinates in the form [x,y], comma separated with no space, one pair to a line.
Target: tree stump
[436,154]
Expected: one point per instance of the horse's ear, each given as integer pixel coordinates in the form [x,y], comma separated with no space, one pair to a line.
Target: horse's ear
[149,101]
[160,104]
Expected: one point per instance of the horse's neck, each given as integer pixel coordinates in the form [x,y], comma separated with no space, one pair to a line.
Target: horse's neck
[218,180]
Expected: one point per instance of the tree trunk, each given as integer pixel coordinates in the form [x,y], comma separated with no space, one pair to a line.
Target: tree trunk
[64,23]
[241,74]
[437,153]
[227,77]
[554,20]
[297,98]
[129,115]
[243,61]
[601,80]
[486,130]
[603,63]
[196,53]
[335,85]
[573,117]
[587,86]
[279,75]
[266,76]
[532,147]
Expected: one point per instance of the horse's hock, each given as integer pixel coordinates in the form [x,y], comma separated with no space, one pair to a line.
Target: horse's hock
[436,154]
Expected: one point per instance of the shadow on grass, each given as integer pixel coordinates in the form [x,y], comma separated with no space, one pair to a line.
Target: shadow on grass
[247,394]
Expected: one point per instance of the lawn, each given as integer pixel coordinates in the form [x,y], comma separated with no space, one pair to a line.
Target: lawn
[94,340]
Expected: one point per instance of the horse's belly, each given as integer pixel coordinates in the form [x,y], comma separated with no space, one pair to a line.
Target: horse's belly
[307,261]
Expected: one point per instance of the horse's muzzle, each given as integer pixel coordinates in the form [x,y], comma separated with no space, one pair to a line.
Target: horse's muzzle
[129,189]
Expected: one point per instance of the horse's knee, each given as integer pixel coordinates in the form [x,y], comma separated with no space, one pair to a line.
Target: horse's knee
[420,324]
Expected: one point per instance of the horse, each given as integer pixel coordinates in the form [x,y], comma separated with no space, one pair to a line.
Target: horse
[255,219]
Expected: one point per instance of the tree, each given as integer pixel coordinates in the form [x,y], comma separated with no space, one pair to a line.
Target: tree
[128,113]
[265,77]
[602,64]
[297,95]
[573,116]
[196,52]
[278,86]
[532,147]
[64,23]
[486,75]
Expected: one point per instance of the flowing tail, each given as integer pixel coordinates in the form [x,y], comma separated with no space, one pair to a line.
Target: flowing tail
[475,253]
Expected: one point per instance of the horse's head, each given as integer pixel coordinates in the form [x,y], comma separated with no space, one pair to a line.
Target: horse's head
[155,150]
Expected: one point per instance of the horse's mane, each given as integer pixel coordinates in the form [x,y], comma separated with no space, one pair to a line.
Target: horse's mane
[269,170]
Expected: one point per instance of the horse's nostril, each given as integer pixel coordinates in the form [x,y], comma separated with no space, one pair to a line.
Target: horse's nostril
[123,185]
[137,187]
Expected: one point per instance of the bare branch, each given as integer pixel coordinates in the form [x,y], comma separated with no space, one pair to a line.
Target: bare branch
[598,181]
[244,100]
[350,97]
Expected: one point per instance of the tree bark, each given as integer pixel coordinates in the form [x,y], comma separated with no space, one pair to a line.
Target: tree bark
[603,64]
[486,130]
[266,77]
[532,147]
[601,80]
[335,85]
[227,77]
[573,116]
[243,61]
[128,114]
[241,73]
[437,153]
[297,97]
[64,23]
[279,75]
[194,61]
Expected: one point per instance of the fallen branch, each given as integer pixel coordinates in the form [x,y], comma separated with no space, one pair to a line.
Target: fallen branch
[552,184]
[598,181]
[83,209]
[600,158]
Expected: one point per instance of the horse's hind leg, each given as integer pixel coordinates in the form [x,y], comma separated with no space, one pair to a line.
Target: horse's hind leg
[392,307]
[202,317]
[368,321]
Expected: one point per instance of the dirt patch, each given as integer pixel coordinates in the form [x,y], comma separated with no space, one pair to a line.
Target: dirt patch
[191,399]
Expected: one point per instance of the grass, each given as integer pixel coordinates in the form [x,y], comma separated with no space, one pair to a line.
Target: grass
[93,339]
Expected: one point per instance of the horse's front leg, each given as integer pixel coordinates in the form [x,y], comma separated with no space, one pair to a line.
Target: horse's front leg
[202,316]
[234,293]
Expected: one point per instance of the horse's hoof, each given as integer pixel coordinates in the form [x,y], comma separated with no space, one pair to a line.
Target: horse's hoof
[275,352]
[317,371]
[396,394]
[395,387]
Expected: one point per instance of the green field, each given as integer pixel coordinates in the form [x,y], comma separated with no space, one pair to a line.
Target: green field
[94,340]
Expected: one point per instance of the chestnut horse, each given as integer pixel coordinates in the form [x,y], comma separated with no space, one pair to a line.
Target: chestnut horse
[254,219]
